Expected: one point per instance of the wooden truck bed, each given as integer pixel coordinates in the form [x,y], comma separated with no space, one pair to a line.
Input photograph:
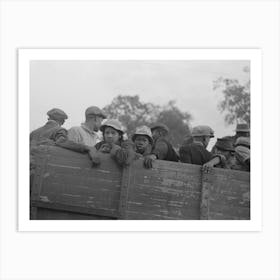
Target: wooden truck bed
[65,186]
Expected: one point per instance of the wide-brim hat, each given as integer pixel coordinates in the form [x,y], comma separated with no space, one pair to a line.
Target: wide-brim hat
[202,130]
[114,124]
[160,125]
[143,131]
[242,127]
[225,144]
[242,141]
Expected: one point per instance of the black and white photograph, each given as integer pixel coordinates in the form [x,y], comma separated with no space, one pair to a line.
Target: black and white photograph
[140,139]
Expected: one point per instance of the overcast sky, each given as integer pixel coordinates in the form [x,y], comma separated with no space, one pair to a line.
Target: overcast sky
[75,85]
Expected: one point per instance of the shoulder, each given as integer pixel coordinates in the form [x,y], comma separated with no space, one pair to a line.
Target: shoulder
[185,148]
[75,130]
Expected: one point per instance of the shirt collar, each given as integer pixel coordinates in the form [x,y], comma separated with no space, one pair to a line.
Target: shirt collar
[84,126]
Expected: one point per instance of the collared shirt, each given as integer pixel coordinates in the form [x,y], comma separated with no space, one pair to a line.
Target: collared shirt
[83,135]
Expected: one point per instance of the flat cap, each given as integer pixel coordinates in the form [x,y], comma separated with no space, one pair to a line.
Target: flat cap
[202,130]
[94,110]
[160,125]
[56,113]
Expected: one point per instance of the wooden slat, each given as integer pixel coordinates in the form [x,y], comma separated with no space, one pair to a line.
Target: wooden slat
[225,195]
[160,193]
[66,184]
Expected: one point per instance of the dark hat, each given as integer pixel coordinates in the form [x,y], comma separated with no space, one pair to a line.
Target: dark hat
[56,114]
[225,144]
[160,125]
[202,130]
[242,127]
[94,110]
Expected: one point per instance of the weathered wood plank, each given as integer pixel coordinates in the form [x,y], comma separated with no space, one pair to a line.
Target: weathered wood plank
[225,195]
[65,183]
[161,193]
[52,214]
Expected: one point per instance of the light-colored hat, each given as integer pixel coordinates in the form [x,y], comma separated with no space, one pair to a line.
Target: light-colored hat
[143,130]
[202,130]
[114,124]
[242,141]
[242,127]
[57,114]
[93,110]
[160,125]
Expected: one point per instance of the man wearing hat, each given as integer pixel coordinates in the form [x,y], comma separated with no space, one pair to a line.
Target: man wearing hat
[143,140]
[86,133]
[196,152]
[52,130]
[242,130]
[162,148]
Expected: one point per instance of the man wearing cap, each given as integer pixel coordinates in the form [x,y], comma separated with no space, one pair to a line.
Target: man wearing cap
[196,152]
[162,148]
[86,133]
[52,130]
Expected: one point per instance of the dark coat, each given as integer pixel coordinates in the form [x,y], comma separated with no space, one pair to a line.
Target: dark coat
[48,133]
[164,150]
[194,153]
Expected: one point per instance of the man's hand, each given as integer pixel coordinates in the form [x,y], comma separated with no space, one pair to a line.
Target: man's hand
[148,161]
[93,155]
[207,167]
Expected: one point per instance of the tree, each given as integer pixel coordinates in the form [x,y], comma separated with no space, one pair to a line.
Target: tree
[132,113]
[236,99]
[177,122]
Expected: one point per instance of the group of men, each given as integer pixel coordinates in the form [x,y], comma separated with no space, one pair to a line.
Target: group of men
[151,143]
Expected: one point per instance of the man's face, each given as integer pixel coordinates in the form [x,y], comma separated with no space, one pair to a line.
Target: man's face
[97,120]
[141,143]
[60,121]
[155,133]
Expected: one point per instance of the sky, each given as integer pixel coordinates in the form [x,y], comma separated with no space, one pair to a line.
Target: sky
[75,85]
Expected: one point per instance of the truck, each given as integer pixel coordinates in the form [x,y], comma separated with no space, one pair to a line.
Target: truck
[65,186]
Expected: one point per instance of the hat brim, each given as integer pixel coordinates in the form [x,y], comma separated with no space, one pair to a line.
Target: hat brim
[135,135]
[227,149]
[102,128]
